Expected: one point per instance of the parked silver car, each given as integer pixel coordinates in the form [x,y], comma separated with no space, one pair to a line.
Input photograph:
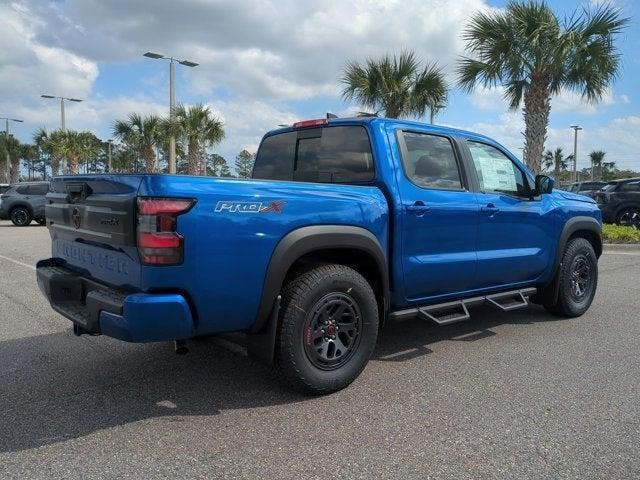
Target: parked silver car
[24,202]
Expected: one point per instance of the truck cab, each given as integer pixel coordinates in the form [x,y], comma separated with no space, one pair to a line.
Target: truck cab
[346,224]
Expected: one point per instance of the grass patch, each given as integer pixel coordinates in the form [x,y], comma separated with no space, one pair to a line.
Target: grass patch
[620,234]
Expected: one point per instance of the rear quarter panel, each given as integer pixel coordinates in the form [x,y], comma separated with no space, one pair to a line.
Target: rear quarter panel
[226,252]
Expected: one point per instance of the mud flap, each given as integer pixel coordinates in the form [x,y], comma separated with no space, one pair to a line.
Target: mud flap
[261,346]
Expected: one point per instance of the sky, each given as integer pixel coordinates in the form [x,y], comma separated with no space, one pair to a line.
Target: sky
[263,63]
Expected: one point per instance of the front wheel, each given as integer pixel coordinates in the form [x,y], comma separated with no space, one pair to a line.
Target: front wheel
[578,279]
[328,328]
[20,217]
[630,217]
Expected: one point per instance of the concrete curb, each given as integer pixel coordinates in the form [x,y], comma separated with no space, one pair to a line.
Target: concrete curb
[622,247]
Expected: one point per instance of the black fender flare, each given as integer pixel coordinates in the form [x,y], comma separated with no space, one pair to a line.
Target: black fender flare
[305,240]
[573,225]
[548,295]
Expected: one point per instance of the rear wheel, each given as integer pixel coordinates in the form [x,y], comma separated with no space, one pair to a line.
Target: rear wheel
[20,217]
[630,217]
[328,328]
[578,279]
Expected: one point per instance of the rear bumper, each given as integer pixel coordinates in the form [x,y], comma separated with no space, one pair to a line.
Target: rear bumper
[98,309]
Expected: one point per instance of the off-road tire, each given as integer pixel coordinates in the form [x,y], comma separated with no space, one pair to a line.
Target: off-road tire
[578,254]
[20,216]
[306,300]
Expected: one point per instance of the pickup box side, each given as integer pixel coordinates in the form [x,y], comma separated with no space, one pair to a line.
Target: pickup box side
[232,232]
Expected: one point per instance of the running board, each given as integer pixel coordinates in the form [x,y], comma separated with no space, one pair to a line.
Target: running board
[458,311]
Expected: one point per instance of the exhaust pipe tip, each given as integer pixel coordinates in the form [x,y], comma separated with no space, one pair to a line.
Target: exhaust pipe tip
[181,347]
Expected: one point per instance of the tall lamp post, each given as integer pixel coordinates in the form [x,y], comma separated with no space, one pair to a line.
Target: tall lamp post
[172,99]
[109,143]
[62,116]
[6,132]
[575,151]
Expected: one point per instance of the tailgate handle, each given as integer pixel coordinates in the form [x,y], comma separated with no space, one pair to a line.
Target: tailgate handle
[77,191]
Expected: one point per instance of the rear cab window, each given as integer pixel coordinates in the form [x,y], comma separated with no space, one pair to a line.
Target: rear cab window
[332,154]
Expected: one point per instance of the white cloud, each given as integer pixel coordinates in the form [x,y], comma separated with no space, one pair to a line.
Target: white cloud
[566,101]
[618,137]
[285,49]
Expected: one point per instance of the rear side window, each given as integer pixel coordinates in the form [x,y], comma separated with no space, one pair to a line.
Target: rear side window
[429,161]
[38,189]
[631,187]
[22,190]
[328,155]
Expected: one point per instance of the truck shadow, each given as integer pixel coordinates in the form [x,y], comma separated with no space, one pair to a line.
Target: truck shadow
[57,387]
[408,339]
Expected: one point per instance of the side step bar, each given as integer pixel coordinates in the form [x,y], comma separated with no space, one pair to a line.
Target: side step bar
[458,311]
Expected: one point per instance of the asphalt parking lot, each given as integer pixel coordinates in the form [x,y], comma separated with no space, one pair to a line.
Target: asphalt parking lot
[520,395]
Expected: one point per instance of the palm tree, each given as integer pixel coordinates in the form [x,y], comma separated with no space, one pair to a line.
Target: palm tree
[557,161]
[534,55]
[597,157]
[11,145]
[28,154]
[78,147]
[47,143]
[397,86]
[199,128]
[609,170]
[142,134]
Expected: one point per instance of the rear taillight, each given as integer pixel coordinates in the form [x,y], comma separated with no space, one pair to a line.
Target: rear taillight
[158,241]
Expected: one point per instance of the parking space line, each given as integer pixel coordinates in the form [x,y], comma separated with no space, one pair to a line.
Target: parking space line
[17,262]
[631,254]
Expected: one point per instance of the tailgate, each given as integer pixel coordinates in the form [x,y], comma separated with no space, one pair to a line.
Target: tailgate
[92,222]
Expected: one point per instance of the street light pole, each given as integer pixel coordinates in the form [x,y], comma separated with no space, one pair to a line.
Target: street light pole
[172,107]
[8,157]
[172,99]
[575,151]
[109,142]
[62,116]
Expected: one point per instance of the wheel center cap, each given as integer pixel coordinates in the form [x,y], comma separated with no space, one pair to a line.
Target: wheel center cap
[331,330]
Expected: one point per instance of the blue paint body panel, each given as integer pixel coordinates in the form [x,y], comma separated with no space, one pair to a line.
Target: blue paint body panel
[452,251]
[150,318]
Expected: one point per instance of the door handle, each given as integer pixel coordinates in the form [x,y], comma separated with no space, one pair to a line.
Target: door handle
[418,208]
[490,209]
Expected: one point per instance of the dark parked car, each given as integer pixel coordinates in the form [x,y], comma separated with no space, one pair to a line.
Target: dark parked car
[587,188]
[24,202]
[619,202]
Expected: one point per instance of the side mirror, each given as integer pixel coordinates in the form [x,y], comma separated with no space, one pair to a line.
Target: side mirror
[544,184]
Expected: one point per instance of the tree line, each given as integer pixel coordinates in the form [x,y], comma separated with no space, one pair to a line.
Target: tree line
[559,166]
[142,146]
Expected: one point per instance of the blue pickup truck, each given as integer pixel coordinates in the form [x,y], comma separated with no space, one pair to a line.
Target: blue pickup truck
[345,225]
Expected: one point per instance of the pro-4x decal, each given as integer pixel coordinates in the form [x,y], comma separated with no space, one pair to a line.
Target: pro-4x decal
[275,206]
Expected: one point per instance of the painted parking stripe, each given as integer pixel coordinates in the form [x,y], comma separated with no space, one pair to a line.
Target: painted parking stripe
[631,254]
[17,262]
